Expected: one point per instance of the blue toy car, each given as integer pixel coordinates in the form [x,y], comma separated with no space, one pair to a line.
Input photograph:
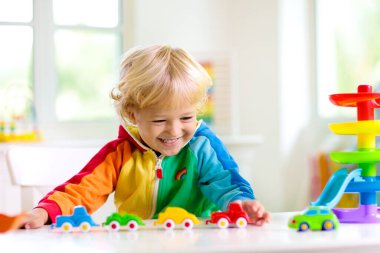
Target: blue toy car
[80,218]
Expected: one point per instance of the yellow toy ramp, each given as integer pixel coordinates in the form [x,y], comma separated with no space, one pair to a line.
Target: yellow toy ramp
[357,127]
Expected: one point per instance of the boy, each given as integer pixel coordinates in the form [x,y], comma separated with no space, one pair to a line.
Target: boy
[163,155]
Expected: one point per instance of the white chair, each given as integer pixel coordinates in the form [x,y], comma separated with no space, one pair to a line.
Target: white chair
[38,169]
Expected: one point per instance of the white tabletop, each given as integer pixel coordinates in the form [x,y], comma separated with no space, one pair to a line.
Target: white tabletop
[273,237]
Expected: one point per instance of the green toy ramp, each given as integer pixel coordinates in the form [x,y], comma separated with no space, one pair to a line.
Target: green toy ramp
[356,156]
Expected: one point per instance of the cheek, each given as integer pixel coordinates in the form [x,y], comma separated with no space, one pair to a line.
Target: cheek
[190,130]
[149,131]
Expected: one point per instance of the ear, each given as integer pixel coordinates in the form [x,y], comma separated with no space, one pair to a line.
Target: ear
[132,116]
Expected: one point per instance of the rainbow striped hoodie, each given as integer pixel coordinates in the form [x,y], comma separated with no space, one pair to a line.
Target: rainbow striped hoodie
[201,178]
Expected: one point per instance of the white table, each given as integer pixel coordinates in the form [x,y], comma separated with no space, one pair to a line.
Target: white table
[274,237]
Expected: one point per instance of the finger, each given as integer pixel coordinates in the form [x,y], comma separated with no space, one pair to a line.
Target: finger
[259,212]
[250,213]
[256,212]
[267,217]
[24,223]
[32,224]
[28,223]
[250,209]
[253,208]
[259,222]
[263,220]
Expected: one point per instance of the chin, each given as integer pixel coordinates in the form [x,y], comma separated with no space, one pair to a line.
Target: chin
[170,153]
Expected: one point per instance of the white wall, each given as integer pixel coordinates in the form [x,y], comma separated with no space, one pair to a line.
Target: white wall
[251,31]
[296,100]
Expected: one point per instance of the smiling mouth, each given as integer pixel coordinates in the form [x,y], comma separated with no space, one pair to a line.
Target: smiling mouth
[169,141]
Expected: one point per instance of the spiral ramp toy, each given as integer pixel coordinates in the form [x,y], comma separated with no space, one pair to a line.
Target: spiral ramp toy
[364,179]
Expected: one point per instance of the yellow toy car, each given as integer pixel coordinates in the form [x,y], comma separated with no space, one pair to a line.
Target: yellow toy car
[176,215]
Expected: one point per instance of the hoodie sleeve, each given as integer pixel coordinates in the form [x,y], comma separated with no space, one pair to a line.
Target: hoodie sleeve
[219,180]
[92,185]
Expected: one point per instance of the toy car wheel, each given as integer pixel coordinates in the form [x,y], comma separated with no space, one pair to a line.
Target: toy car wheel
[241,222]
[114,226]
[169,224]
[223,223]
[85,226]
[304,226]
[132,225]
[187,224]
[327,225]
[67,227]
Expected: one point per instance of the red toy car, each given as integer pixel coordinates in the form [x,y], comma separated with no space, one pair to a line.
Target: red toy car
[234,215]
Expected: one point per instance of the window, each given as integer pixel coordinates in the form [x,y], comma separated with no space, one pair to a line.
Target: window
[59,62]
[347,49]
[15,61]
[311,212]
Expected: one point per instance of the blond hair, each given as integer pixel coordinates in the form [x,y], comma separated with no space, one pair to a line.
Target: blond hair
[159,76]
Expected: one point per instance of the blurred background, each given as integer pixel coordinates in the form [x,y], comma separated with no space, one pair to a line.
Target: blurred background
[274,63]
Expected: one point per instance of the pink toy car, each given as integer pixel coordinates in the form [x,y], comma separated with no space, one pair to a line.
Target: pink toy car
[234,215]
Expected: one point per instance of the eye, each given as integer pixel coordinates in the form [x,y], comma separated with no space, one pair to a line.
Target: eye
[158,121]
[187,118]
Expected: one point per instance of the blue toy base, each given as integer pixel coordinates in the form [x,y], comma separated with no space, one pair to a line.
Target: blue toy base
[362,214]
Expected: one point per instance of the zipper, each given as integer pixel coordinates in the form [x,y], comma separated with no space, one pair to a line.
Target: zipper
[158,175]
[158,169]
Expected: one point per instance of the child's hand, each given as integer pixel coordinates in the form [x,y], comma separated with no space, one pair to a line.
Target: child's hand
[35,218]
[255,211]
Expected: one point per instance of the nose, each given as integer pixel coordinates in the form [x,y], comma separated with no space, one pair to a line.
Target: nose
[173,128]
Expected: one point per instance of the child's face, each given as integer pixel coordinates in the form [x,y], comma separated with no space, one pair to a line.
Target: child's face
[166,130]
